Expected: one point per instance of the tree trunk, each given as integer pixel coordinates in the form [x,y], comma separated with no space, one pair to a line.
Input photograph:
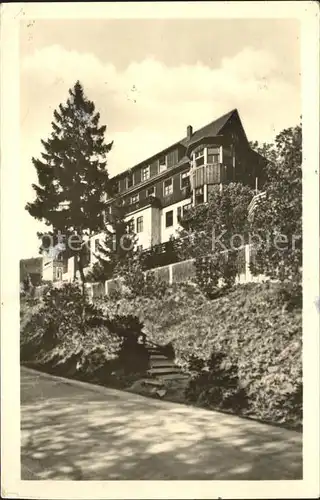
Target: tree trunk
[83,286]
[82,276]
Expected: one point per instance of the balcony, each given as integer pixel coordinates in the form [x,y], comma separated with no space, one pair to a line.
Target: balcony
[210,173]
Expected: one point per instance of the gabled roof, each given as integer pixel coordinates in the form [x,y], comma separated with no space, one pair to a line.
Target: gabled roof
[210,130]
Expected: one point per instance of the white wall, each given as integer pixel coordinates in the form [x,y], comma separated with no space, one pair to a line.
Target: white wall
[145,237]
[154,230]
[150,233]
[47,273]
[166,232]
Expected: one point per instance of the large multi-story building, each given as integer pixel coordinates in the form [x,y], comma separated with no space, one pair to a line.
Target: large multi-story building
[158,191]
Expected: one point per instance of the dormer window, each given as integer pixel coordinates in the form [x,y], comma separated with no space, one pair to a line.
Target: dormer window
[162,163]
[145,173]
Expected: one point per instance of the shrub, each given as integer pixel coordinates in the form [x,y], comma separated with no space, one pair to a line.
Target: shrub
[218,386]
[139,283]
[216,271]
[66,334]
[257,342]
[260,344]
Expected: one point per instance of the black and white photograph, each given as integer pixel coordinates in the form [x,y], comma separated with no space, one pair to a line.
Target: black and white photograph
[165,283]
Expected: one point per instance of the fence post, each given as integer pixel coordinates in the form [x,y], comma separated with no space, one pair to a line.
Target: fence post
[170,274]
[248,276]
[106,287]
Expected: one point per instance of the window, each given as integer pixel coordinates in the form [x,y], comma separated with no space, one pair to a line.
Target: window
[129,181]
[184,180]
[213,155]
[145,173]
[187,207]
[167,187]
[199,196]
[151,191]
[213,158]
[139,224]
[139,248]
[130,226]
[169,218]
[117,187]
[199,158]
[162,163]
[134,199]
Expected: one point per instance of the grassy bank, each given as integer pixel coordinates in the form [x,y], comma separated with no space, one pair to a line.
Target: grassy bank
[243,350]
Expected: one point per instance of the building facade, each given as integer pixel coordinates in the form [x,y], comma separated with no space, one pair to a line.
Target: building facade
[157,192]
[40,269]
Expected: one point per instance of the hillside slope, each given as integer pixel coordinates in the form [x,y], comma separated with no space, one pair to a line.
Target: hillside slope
[243,350]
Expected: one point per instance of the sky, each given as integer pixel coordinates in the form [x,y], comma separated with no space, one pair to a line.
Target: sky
[150,79]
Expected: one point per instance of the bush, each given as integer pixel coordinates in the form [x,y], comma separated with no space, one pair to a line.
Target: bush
[257,341]
[215,272]
[139,283]
[260,345]
[65,334]
[218,386]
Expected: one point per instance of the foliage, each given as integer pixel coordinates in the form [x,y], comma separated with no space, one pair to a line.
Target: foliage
[212,233]
[159,313]
[218,385]
[256,340]
[57,337]
[118,244]
[99,273]
[136,281]
[277,223]
[266,150]
[72,175]
[217,272]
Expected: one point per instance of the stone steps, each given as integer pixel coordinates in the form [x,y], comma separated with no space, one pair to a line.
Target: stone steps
[162,367]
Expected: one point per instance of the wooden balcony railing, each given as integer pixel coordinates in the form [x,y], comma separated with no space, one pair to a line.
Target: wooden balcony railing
[210,173]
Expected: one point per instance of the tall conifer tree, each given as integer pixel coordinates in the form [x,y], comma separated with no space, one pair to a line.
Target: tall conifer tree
[72,174]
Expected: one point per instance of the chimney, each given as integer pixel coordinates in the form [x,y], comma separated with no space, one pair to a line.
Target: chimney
[189,132]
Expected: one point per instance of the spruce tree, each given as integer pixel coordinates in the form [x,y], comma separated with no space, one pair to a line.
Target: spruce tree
[72,175]
[118,244]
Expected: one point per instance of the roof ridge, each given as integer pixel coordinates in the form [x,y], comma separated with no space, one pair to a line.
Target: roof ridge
[224,118]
